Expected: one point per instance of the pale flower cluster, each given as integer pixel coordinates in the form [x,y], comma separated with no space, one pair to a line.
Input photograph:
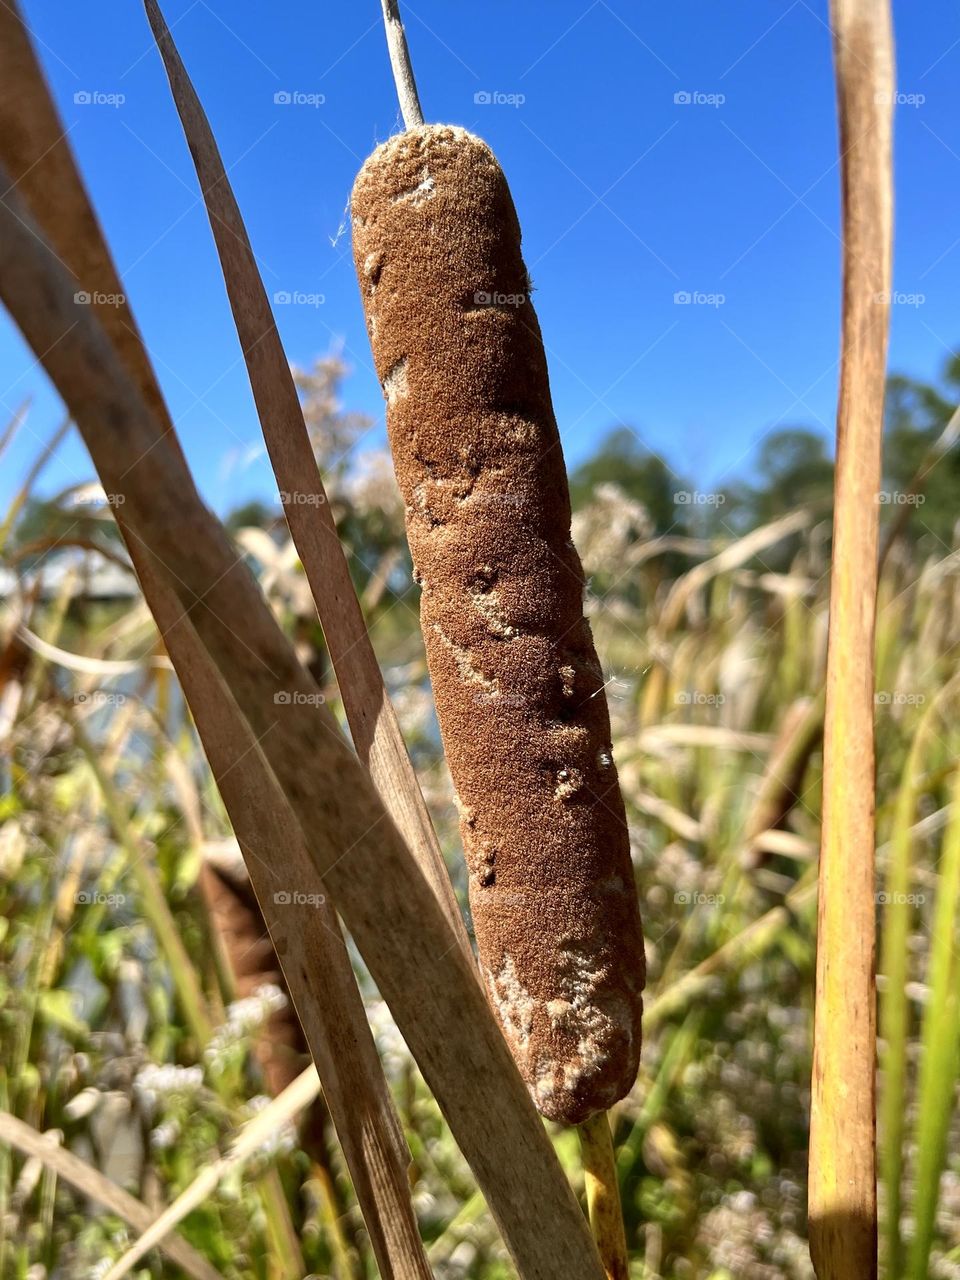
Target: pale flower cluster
[607,527]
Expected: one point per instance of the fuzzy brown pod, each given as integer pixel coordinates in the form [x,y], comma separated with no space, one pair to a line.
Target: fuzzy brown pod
[518,687]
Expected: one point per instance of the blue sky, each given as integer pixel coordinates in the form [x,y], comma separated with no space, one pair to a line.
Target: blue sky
[626,195]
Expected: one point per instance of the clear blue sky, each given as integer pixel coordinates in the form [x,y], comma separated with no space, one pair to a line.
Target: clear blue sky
[626,197]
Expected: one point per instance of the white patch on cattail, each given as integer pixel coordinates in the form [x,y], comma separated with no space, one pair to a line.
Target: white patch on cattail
[488,605]
[514,1003]
[567,678]
[395,383]
[464,660]
[559,1011]
[372,265]
[422,191]
[569,782]
[467,815]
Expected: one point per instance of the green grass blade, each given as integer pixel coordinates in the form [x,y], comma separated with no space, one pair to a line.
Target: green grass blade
[897,918]
[940,1058]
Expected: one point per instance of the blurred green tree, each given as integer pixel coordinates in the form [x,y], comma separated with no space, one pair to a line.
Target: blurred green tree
[640,475]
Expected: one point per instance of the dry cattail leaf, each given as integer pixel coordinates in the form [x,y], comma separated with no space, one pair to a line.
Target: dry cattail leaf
[797,739]
[685,589]
[317,782]
[32,142]
[373,722]
[519,691]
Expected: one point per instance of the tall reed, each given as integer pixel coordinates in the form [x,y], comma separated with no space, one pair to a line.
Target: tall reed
[842,1190]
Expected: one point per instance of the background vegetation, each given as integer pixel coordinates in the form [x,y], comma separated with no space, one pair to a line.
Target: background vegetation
[141,1033]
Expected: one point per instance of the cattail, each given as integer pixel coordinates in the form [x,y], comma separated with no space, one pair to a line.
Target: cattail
[518,688]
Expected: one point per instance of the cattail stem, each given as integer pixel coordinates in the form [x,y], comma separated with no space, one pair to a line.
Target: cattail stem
[603,1195]
[401,65]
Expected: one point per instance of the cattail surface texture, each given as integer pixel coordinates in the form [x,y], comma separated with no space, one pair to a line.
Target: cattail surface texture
[518,687]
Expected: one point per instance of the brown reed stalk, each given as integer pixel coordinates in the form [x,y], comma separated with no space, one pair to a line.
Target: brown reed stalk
[33,143]
[842,1174]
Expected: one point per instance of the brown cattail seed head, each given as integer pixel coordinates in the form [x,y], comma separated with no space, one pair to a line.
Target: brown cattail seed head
[518,687]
